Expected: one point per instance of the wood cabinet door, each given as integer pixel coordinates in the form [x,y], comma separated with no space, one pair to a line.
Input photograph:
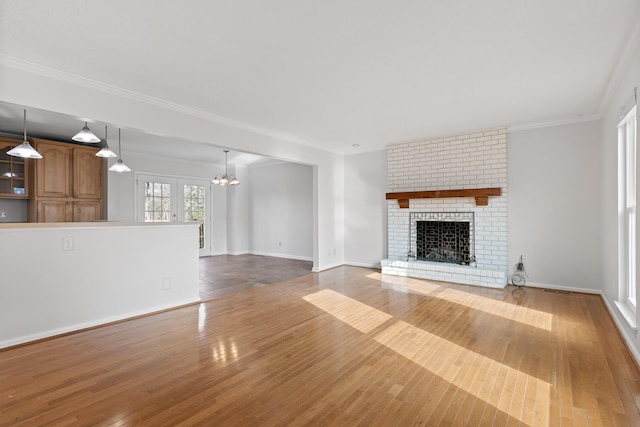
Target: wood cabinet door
[87,174]
[87,211]
[54,211]
[53,178]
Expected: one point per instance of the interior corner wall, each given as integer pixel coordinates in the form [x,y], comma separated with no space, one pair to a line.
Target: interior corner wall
[365,183]
[281,210]
[554,214]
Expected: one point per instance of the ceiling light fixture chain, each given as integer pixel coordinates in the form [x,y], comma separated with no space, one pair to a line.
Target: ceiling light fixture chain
[225,179]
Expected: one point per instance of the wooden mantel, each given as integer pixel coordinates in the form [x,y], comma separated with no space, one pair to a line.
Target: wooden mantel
[480,194]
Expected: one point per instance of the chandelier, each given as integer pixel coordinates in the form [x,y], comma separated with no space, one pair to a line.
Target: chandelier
[225,179]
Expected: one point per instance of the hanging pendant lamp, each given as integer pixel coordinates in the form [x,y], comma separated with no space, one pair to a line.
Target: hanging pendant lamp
[25,149]
[119,166]
[225,179]
[106,151]
[86,136]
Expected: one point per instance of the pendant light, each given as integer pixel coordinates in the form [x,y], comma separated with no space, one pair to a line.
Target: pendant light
[225,179]
[119,166]
[106,151]
[25,149]
[86,136]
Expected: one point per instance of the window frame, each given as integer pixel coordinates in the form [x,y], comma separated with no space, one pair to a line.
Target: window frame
[627,215]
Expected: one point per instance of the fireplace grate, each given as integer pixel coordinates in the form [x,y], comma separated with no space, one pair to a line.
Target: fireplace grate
[443,237]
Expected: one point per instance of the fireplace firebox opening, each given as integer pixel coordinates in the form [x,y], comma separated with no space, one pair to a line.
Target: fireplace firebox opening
[443,237]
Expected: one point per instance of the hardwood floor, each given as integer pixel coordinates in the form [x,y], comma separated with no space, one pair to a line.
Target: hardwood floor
[344,347]
[222,275]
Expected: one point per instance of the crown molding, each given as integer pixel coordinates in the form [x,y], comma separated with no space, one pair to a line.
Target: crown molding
[631,44]
[64,76]
[366,149]
[538,125]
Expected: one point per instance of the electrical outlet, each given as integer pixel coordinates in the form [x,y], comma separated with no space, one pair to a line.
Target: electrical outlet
[166,283]
[67,243]
[279,243]
[3,214]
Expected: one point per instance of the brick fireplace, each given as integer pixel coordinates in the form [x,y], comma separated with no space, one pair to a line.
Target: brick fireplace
[445,170]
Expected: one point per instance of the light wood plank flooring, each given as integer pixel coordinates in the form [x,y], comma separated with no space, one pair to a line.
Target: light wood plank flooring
[222,275]
[344,347]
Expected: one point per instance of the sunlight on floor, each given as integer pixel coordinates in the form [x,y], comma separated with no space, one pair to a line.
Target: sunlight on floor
[524,315]
[486,379]
[354,313]
[459,366]
[520,314]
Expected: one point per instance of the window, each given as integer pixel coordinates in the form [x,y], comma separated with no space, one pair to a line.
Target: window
[157,202]
[194,207]
[627,176]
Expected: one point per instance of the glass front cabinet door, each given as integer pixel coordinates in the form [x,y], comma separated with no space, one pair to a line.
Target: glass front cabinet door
[13,172]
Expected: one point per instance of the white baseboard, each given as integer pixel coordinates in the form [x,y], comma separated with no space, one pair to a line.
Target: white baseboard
[563,288]
[623,328]
[362,264]
[301,258]
[326,267]
[92,323]
[238,253]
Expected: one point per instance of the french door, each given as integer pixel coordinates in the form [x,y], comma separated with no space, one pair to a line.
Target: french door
[169,199]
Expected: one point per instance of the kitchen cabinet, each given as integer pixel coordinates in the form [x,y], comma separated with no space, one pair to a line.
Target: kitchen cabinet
[67,183]
[13,172]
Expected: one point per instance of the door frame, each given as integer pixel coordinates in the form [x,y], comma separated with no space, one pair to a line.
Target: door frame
[177,201]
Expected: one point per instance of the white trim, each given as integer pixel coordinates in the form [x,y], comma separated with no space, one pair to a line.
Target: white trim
[628,313]
[629,340]
[79,326]
[631,43]
[563,122]
[238,253]
[563,288]
[301,258]
[327,267]
[363,264]
[53,73]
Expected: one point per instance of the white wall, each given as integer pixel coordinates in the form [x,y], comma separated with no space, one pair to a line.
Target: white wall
[238,212]
[281,210]
[554,205]
[47,89]
[53,291]
[621,101]
[365,183]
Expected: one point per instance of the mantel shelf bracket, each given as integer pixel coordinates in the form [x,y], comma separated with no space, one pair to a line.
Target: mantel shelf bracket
[481,195]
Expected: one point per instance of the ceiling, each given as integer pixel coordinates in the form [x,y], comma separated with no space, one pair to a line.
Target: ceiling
[334,74]
[59,127]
